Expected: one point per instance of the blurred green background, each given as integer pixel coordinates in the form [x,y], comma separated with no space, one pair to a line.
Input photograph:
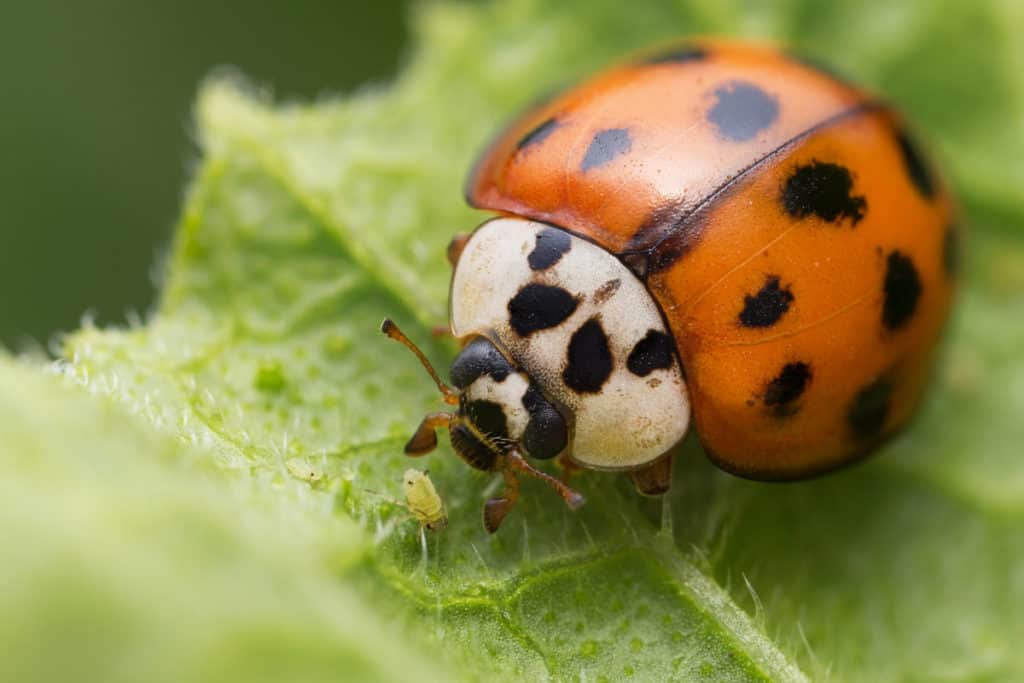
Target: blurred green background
[96,131]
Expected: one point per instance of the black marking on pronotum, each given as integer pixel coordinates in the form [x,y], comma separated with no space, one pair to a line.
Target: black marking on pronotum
[766,307]
[488,417]
[475,452]
[545,435]
[589,362]
[538,307]
[679,54]
[902,290]
[606,145]
[552,244]
[824,190]
[606,291]
[951,250]
[654,352]
[916,165]
[742,110]
[539,133]
[480,357]
[869,410]
[782,392]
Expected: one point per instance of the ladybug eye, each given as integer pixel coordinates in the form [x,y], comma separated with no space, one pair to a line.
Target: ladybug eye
[546,434]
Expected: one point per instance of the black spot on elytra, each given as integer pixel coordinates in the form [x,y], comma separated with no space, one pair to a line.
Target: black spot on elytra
[902,289]
[654,352]
[488,417]
[546,434]
[742,110]
[869,410]
[917,168]
[480,357]
[679,54]
[538,134]
[538,307]
[825,190]
[589,361]
[475,452]
[951,250]
[606,145]
[766,307]
[782,392]
[552,243]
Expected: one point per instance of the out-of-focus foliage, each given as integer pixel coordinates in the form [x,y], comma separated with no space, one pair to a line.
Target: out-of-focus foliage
[265,406]
[96,131]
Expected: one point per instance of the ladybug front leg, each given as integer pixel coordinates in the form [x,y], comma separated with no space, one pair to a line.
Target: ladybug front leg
[456,247]
[514,460]
[654,479]
[567,467]
[496,509]
[424,440]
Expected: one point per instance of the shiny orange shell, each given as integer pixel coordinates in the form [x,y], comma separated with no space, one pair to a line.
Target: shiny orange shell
[800,247]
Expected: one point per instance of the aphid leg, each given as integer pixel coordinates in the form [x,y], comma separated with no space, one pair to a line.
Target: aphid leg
[496,509]
[567,468]
[456,247]
[423,548]
[386,498]
[515,461]
[654,479]
[424,439]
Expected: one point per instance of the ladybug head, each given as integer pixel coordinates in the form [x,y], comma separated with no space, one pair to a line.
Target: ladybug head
[501,420]
[499,410]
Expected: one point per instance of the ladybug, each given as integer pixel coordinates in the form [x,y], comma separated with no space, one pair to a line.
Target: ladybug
[719,233]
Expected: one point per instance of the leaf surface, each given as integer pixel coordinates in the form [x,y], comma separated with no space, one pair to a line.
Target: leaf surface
[262,371]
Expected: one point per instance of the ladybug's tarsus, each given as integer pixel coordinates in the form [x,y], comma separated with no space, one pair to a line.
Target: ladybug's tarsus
[424,440]
[496,509]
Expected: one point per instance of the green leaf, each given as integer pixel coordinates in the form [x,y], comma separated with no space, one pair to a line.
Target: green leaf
[123,561]
[232,513]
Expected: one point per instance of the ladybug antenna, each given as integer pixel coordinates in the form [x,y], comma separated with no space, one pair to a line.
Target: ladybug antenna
[388,327]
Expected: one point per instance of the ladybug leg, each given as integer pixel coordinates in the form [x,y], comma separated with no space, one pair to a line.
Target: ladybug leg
[568,468]
[496,509]
[654,479]
[455,248]
[515,461]
[424,439]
